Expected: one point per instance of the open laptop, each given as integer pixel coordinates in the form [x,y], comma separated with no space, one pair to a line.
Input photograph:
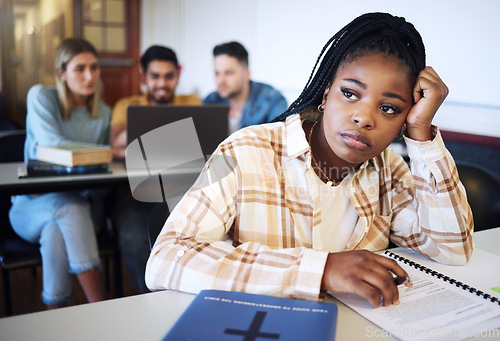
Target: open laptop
[210,121]
[167,146]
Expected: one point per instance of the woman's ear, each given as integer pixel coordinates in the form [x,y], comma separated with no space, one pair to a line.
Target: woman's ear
[325,94]
[61,74]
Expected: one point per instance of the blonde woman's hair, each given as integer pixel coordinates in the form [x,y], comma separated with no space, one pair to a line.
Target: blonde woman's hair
[65,52]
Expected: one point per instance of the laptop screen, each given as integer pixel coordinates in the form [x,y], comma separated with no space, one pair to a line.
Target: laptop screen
[210,121]
[167,147]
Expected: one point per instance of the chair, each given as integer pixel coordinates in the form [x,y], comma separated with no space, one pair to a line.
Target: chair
[12,145]
[483,194]
[157,218]
[15,253]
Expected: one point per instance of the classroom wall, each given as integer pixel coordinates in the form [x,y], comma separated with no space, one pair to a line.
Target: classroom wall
[284,38]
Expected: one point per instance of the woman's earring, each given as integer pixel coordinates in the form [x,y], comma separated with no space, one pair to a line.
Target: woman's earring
[321,109]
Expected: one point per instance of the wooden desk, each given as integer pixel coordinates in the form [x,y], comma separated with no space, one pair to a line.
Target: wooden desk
[150,316]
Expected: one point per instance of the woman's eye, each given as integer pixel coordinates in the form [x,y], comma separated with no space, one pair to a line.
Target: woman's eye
[348,94]
[390,110]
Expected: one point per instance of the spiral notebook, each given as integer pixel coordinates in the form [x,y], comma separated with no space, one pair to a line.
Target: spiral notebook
[445,302]
[445,278]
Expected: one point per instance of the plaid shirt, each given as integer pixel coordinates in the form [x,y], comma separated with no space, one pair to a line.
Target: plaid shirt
[248,222]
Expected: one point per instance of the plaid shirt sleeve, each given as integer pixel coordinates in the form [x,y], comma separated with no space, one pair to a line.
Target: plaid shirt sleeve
[432,215]
[197,250]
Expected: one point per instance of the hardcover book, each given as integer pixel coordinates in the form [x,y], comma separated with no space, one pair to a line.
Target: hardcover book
[228,315]
[40,168]
[75,154]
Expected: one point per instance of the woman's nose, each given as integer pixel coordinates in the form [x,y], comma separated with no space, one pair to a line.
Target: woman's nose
[88,74]
[364,118]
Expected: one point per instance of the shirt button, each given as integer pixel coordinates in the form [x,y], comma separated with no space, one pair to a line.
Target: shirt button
[353,190]
[180,253]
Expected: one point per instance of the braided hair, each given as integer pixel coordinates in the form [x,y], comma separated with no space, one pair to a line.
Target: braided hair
[371,32]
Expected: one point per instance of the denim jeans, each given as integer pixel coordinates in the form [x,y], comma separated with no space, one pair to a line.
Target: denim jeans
[62,224]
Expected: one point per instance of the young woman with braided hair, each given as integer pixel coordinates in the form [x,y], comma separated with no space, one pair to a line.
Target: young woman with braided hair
[295,208]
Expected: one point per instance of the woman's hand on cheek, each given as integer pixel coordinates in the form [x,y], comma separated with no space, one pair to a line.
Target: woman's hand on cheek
[429,93]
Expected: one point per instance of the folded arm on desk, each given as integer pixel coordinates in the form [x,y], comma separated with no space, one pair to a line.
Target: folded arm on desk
[197,250]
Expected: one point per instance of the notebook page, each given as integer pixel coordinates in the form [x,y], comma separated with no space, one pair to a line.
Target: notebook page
[432,309]
[481,272]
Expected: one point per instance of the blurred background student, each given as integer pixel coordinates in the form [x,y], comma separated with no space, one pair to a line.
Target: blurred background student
[160,75]
[249,102]
[63,222]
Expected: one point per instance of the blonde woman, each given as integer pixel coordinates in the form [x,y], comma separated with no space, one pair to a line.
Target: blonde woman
[62,222]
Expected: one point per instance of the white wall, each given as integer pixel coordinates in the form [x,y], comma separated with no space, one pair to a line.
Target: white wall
[284,38]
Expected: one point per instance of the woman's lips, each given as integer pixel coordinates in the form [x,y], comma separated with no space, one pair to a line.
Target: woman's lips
[355,140]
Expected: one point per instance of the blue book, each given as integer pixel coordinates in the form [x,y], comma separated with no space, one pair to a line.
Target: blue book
[40,168]
[237,316]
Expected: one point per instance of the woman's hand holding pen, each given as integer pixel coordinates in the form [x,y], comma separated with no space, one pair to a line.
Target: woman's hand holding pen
[429,93]
[366,274]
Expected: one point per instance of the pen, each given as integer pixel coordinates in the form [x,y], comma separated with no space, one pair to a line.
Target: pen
[398,280]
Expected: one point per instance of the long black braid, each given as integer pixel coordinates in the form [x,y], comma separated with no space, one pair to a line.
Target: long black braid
[371,32]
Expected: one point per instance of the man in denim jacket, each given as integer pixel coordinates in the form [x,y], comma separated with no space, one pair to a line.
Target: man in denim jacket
[250,102]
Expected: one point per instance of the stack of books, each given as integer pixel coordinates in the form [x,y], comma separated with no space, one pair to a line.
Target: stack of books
[70,159]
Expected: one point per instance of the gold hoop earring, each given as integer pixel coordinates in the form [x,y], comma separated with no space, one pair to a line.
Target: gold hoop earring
[321,109]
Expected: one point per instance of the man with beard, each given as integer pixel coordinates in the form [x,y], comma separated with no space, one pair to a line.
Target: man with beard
[160,75]
[250,102]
